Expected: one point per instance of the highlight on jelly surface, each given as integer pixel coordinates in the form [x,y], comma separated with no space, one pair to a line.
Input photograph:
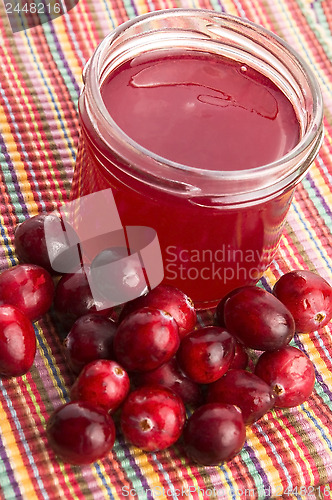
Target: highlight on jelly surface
[121,263]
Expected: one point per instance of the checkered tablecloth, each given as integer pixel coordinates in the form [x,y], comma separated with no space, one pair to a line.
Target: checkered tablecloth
[288,453]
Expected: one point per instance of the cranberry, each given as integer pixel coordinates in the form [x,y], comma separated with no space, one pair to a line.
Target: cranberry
[90,338]
[28,287]
[73,299]
[119,277]
[170,375]
[171,300]
[250,393]
[146,339]
[80,433]
[102,382]
[30,242]
[152,418]
[205,354]
[219,313]
[241,357]
[17,342]
[258,319]
[214,433]
[290,373]
[308,297]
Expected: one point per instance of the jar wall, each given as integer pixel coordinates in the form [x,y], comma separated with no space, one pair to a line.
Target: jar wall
[207,250]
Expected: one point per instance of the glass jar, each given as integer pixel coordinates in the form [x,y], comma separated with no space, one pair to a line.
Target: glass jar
[218,229]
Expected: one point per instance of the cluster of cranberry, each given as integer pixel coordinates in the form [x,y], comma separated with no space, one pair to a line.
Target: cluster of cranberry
[143,366]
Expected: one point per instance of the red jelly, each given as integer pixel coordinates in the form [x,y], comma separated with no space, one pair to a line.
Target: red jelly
[192,119]
[201,109]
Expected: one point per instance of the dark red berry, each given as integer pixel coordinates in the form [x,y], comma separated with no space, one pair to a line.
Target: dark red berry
[146,339]
[308,297]
[103,383]
[73,299]
[250,393]
[258,319]
[80,433]
[171,300]
[215,433]
[290,374]
[170,375]
[17,342]
[205,354]
[90,338]
[30,242]
[219,313]
[152,418]
[28,287]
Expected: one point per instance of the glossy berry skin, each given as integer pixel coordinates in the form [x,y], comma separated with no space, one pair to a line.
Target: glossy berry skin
[308,297]
[171,300]
[90,338]
[146,339]
[28,287]
[219,313]
[170,375]
[73,299]
[30,242]
[246,390]
[290,374]
[205,354]
[103,383]
[241,357]
[215,433]
[152,418]
[258,319]
[80,433]
[17,342]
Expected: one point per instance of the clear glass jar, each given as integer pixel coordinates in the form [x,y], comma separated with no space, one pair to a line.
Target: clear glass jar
[217,229]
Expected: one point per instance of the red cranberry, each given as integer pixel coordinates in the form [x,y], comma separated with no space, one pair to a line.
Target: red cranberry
[103,383]
[73,299]
[219,313]
[308,297]
[214,433]
[17,342]
[28,287]
[250,393]
[119,277]
[146,339]
[30,242]
[290,373]
[80,433]
[152,418]
[171,300]
[205,354]
[258,319]
[241,357]
[170,375]
[90,338]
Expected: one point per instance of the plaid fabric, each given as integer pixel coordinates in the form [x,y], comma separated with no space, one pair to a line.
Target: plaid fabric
[288,453]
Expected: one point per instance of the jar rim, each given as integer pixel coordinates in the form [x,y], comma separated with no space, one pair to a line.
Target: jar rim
[285,168]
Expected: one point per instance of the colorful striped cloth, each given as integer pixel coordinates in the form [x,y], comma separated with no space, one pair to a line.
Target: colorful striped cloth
[288,453]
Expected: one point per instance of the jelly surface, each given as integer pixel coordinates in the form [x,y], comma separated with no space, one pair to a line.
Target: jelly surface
[201,110]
